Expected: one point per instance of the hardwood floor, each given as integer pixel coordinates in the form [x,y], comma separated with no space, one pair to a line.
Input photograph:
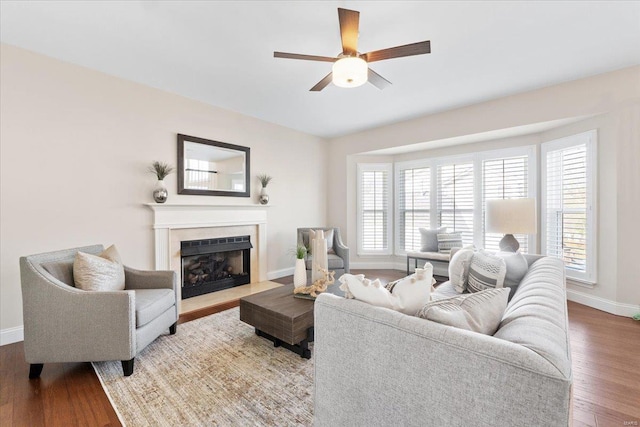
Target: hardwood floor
[605,351]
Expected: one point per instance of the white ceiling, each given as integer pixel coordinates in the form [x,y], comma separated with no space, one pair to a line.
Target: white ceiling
[222,52]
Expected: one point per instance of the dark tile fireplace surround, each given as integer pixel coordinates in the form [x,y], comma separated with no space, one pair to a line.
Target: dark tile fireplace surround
[211,265]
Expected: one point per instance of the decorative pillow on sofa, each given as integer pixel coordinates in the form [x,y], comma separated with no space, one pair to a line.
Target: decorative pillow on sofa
[486,271]
[102,272]
[459,269]
[360,288]
[479,312]
[448,241]
[429,239]
[412,292]
[517,267]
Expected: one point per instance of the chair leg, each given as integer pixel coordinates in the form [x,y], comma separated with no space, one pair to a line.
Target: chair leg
[35,370]
[173,328]
[127,367]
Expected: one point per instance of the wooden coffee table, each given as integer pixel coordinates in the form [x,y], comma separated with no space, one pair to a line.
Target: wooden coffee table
[280,317]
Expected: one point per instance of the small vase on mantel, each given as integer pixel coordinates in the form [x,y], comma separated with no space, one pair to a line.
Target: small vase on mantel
[264,197]
[160,170]
[160,192]
[300,274]
[264,181]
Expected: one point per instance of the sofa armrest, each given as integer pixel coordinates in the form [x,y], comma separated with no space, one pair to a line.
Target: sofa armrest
[375,364]
[59,320]
[152,279]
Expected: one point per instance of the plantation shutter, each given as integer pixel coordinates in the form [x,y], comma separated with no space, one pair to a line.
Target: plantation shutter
[568,198]
[455,199]
[414,206]
[374,208]
[505,178]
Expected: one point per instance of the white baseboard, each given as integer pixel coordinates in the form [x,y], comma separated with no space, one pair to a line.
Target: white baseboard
[613,307]
[280,273]
[11,335]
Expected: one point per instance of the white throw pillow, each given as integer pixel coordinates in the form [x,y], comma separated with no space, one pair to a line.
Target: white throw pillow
[414,291]
[459,269]
[517,267]
[486,271]
[366,290]
[479,312]
[103,272]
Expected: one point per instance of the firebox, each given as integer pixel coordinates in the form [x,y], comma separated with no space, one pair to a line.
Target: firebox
[211,265]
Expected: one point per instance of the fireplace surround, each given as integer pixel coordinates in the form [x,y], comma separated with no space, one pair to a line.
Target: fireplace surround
[174,223]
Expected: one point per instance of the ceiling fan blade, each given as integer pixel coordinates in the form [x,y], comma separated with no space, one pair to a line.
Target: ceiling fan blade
[322,83]
[305,57]
[398,51]
[349,23]
[377,80]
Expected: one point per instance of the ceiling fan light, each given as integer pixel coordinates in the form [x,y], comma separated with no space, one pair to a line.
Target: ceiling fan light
[350,72]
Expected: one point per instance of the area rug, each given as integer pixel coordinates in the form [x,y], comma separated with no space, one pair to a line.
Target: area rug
[214,372]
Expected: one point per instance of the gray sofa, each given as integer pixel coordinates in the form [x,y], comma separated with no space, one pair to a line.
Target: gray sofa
[378,367]
[66,324]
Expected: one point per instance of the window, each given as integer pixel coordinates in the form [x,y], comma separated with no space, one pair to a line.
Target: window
[374,208]
[456,198]
[568,215]
[413,208]
[504,178]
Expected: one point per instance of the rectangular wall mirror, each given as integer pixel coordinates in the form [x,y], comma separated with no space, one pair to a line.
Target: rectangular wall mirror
[212,168]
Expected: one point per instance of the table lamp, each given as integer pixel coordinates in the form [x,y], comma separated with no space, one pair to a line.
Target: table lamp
[511,216]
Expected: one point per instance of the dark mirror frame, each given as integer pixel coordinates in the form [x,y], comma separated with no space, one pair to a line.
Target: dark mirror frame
[181,190]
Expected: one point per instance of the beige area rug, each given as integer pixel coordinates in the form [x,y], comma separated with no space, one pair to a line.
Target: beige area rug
[214,372]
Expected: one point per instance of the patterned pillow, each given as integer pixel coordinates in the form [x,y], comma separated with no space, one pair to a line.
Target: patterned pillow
[429,239]
[102,272]
[447,241]
[486,271]
[459,269]
[480,312]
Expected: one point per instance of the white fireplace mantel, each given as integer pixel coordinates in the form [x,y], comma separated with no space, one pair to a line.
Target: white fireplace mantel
[169,217]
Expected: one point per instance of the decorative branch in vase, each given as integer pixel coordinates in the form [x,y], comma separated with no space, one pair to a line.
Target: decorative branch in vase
[264,180]
[161,171]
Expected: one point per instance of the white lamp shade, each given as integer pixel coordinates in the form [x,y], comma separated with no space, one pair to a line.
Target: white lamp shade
[511,216]
[350,72]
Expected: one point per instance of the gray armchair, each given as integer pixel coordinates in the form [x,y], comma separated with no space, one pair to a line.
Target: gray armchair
[66,324]
[338,261]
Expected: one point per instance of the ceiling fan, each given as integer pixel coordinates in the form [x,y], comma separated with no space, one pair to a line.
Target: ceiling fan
[350,68]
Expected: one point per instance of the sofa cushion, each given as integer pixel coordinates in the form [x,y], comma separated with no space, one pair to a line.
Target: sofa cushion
[448,241]
[478,312]
[103,272]
[444,290]
[151,303]
[486,271]
[517,267]
[459,269]
[61,270]
[334,261]
[429,239]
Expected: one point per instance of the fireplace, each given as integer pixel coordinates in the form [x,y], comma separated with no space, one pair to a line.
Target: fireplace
[210,265]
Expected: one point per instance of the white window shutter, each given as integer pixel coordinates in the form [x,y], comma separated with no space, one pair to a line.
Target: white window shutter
[456,199]
[568,198]
[414,203]
[504,178]
[374,208]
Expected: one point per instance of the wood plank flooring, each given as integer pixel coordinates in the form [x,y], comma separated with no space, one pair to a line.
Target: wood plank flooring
[605,351]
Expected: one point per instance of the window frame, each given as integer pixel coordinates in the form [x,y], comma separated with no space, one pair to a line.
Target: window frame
[375,167]
[590,139]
